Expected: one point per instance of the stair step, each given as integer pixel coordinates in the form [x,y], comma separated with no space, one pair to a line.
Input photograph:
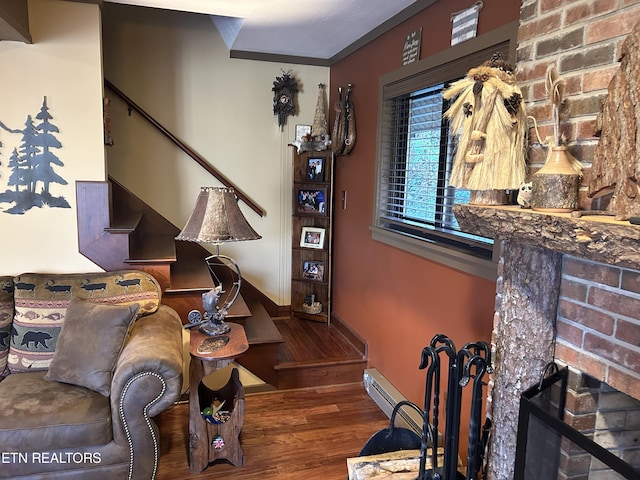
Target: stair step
[324,362]
[127,224]
[320,373]
[316,354]
[259,327]
[190,275]
[153,249]
[264,342]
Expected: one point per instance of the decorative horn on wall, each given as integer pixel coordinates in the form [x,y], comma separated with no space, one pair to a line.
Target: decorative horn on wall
[344,126]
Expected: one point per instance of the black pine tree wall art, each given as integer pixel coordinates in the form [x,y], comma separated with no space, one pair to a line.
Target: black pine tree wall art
[32,165]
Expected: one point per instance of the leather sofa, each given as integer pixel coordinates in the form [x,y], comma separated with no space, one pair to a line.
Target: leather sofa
[86,361]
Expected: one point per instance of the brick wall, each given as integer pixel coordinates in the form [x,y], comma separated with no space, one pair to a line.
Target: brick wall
[583,38]
[580,413]
[598,324]
[606,416]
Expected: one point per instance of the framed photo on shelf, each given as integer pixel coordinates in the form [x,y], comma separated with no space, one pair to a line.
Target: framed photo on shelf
[315,169]
[302,131]
[313,270]
[312,237]
[311,201]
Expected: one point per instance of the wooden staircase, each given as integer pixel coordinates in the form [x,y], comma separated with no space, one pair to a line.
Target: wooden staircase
[117,230]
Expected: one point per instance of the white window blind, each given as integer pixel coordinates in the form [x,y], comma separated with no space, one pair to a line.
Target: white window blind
[416,197]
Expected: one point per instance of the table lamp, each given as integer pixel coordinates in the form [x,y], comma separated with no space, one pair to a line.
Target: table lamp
[217,219]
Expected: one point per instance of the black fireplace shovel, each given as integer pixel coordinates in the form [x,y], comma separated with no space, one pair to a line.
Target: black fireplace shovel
[393,438]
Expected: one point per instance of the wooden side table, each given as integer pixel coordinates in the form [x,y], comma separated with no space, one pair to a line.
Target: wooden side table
[204,437]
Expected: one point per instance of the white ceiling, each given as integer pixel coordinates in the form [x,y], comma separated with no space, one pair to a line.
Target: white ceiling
[317,29]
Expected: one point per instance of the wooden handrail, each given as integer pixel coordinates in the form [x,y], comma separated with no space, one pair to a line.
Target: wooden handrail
[185,148]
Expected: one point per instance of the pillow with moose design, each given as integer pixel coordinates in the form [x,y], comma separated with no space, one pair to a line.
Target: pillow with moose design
[41,302]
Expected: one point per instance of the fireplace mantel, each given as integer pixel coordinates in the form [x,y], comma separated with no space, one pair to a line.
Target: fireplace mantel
[598,238]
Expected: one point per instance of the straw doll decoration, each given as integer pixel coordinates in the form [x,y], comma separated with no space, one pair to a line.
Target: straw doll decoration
[489,117]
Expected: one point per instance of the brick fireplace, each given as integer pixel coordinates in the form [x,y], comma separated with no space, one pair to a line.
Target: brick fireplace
[568,288]
[598,322]
[574,427]
[567,291]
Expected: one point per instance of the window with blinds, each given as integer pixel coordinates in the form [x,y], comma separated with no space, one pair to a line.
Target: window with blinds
[416,196]
[413,207]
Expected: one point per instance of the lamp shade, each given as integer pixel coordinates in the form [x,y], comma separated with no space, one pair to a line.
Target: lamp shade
[217,219]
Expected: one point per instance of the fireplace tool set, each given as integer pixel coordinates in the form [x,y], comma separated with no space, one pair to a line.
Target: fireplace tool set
[464,368]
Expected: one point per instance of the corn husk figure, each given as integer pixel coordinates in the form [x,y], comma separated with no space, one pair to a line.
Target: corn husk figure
[489,117]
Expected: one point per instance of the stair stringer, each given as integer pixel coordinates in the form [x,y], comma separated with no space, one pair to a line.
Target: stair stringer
[105,249]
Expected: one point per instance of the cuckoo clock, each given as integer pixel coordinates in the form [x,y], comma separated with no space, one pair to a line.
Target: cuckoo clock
[284,90]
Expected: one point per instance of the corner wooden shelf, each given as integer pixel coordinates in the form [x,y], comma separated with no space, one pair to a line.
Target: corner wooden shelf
[312,208]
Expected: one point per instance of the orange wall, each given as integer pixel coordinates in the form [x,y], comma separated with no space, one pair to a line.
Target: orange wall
[394,300]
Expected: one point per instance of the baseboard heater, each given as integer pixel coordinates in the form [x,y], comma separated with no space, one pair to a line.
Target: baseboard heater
[386,396]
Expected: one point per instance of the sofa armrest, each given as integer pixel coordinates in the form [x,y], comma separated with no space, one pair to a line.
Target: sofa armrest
[146,381]
[154,347]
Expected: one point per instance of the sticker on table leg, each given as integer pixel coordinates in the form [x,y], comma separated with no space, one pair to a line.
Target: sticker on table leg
[218,443]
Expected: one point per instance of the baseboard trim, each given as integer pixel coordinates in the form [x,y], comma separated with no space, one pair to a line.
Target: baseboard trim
[355,339]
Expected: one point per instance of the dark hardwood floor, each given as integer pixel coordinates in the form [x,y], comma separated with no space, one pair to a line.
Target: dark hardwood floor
[307,341]
[296,434]
[311,354]
[319,416]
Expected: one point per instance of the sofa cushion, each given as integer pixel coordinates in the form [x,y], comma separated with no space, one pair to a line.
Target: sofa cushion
[41,302]
[89,344]
[6,318]
[36,414]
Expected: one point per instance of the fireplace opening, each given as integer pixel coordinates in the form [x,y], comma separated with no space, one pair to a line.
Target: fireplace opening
[574,427]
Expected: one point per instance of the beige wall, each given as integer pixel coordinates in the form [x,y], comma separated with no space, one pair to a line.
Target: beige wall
[63,64]
[177,68]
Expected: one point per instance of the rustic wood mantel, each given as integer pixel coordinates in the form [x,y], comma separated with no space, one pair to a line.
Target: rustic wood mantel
[527,292]
[598,238]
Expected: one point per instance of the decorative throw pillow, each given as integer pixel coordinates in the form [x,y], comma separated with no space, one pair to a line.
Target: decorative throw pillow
[6,320]
[90,343]
[41,302]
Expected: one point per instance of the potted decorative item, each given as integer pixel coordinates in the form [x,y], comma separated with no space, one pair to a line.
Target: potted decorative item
[555,186]
[489,117]
[311,306]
